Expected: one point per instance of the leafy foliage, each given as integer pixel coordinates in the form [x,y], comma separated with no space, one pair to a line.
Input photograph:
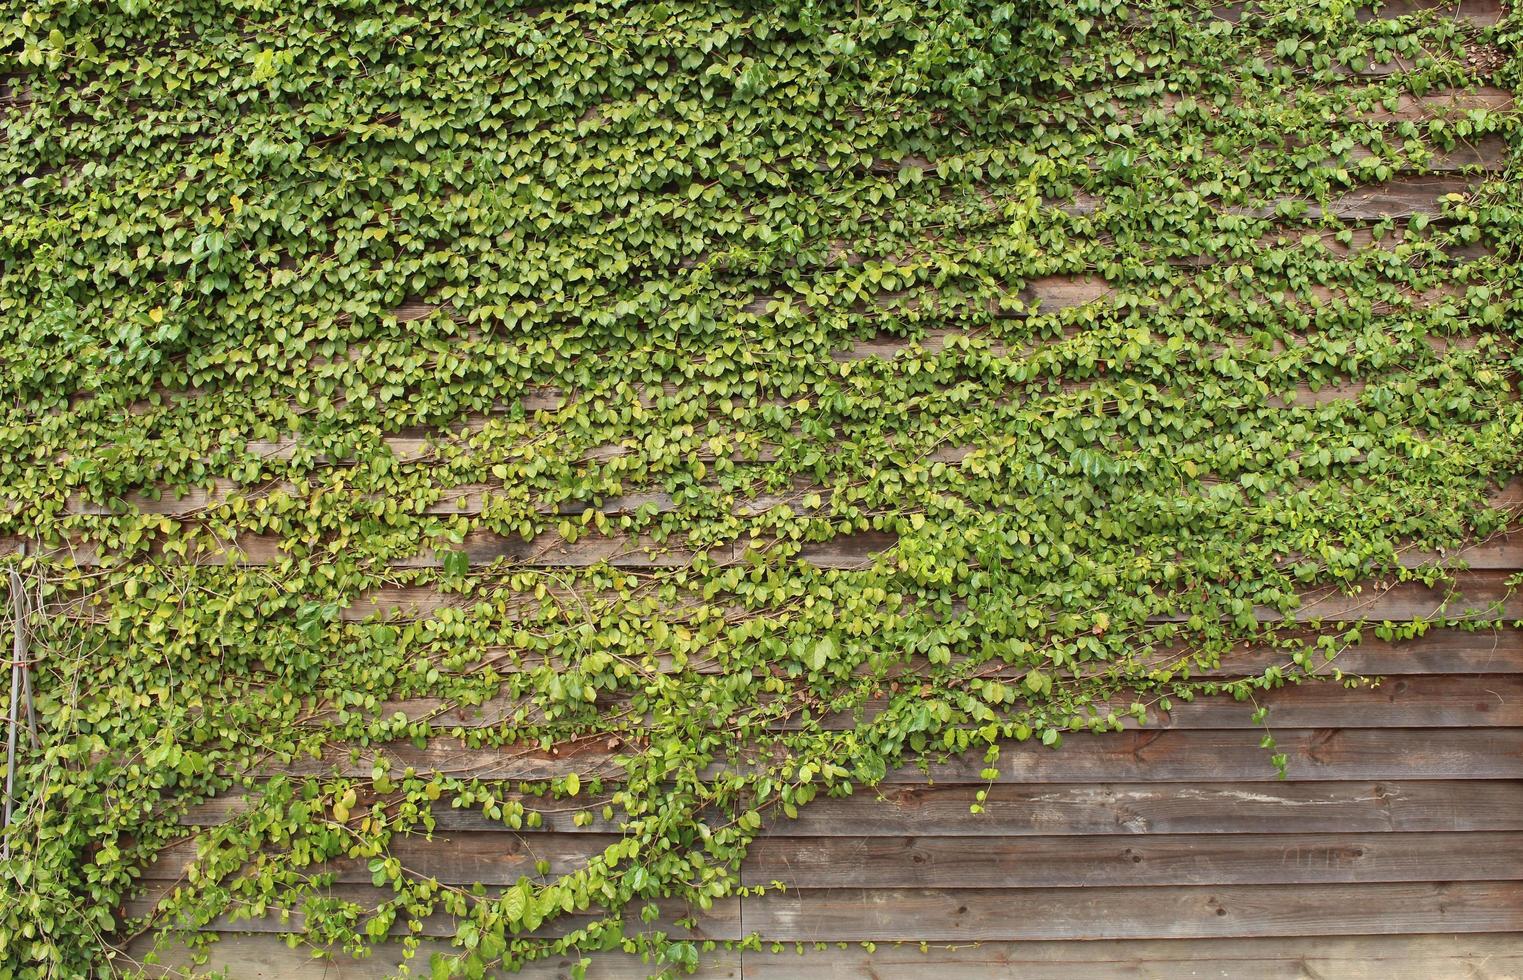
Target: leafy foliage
[411,299]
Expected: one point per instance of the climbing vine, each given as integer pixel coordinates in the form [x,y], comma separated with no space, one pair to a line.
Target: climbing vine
[659,415]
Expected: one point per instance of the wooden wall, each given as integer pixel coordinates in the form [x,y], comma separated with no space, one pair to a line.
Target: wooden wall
[1394,849]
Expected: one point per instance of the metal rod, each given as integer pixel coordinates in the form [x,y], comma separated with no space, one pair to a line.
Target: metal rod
[26,698]
[18,655]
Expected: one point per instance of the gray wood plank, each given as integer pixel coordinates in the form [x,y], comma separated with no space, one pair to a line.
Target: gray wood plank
[1156,859]
[1478,956]
[1435,700]
[1315,754]
[1496,956]
[974,915]
[491,858]
[1056,809]
[980,914]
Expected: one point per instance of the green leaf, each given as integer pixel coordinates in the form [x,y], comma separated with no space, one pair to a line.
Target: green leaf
[456,563]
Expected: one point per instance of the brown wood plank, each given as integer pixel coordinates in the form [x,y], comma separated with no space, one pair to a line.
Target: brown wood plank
[1480,12]
[1502,551]
[493,858]
[1196,756]
[267,957]
[721,921]
[969,915]
[977,914]
[456,858]
[1477,956]
[1156,859]
[1437,701]
[1445,103]
[1401,197]
[1131,756]
[1063,809]
[1488,153]
[1060,809]
[1480,593]
[1438,651]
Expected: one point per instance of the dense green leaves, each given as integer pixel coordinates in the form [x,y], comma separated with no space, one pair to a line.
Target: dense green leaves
[755,397]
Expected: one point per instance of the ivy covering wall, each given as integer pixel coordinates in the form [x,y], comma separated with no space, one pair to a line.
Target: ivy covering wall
[704,386]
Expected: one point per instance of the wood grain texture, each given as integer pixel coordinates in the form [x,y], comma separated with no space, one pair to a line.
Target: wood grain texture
[1399,702]
[1476,957]
[721,921]
[493,858]
[1154,859]
[1078,809]
[1481,956]
[1315,754]
[972,914]
[1443,104]
[1196,756]
[1480,12]
[982,914]
[1438,701]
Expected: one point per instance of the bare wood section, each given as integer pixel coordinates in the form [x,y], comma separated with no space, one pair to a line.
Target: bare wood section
[1476,595]
[1401,197]
[1488,154]
[1437,701]
[1483,956]
[1444,104]
[855,550]
[1014,809]
[1439,651]
[1196,756]
[1159,859]
[1480,12]
[1137,913]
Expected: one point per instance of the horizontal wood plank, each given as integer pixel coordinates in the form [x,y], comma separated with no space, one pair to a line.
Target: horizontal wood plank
[920,861]
[1154,859]
[1438,701]
[720,921]
[1478,956]
[1074,809]
[1059,809]
[1130,756]
[983,914]
[971,915]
